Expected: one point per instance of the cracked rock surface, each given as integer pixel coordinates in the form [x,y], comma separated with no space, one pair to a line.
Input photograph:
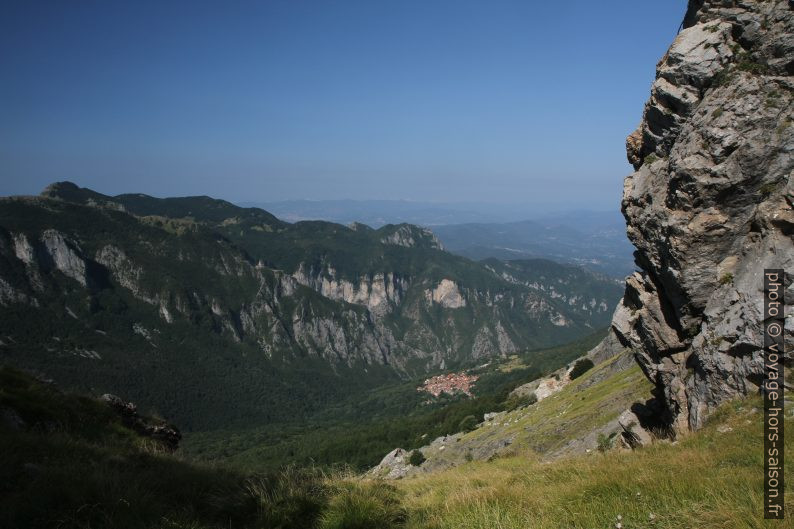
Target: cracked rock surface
[709,206]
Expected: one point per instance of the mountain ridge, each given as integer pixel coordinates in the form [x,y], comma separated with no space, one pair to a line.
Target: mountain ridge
[87,281]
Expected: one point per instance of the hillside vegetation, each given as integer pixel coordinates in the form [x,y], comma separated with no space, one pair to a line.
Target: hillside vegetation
[68,461]
[260,321]
[358,431]
[710,480]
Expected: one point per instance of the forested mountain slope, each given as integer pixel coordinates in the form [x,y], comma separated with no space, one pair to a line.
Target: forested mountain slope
[254,318]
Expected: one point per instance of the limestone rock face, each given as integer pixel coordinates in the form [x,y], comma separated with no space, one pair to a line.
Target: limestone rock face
[51,251]
[64,255]
[446,294]
[379,293]
[710,205]
[123,270]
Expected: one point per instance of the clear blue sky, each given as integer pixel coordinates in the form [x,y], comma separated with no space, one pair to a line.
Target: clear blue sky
[454,100]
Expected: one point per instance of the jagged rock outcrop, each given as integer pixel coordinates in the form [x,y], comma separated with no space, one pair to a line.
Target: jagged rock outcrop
[710,205]
[159,430]
[394,465]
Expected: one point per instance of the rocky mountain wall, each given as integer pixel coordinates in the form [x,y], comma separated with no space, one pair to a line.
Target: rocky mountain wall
[709,206]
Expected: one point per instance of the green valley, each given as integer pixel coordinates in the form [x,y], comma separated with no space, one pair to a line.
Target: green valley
[272,330]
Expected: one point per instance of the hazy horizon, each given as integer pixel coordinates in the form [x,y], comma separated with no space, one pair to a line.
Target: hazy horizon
[449,102]
[378,212]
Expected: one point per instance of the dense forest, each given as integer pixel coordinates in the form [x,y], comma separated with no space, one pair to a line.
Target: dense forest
[357,432]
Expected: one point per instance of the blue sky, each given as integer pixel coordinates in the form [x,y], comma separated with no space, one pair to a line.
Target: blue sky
[432,100]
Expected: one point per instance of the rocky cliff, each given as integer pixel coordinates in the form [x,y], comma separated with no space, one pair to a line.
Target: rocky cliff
[710,205]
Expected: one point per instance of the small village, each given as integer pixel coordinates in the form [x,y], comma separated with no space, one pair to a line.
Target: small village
[450,383]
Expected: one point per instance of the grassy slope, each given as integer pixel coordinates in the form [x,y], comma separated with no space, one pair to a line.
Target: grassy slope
[72,464]
[548,426]
[708,480]
[75,466]
[574,411]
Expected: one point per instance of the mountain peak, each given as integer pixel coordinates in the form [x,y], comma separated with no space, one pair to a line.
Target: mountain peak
[410,236]
[56,188]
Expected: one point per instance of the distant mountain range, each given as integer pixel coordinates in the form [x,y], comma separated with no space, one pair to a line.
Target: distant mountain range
[377,213]
[260,320]
[593,239]
[596,241]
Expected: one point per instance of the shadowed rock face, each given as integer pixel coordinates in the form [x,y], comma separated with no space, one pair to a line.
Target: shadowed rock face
[710,205]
